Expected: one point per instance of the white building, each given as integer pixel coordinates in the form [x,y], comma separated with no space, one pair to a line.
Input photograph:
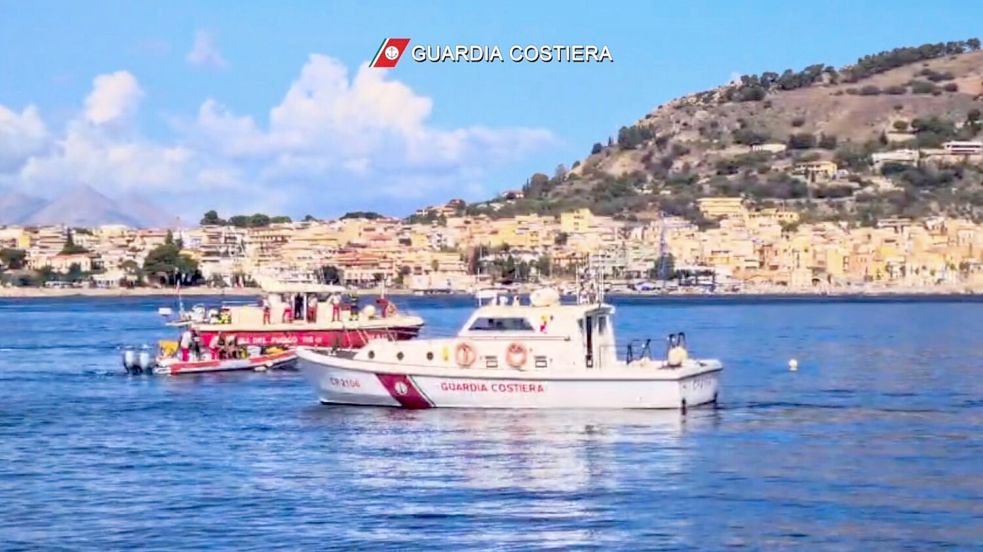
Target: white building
[963,148]
[902,156]
[774,147]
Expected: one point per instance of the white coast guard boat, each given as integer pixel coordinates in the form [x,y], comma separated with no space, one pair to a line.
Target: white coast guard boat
[510,355]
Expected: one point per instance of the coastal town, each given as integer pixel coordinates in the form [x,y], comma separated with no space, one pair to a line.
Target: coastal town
[765,251]
[792,182]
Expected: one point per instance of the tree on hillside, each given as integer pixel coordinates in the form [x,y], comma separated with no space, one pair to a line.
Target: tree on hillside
[801,140]
[259,220]
[71,248]
[12,259]
[131,268]
[371,215]
[239,221]
[973,44]
[852,156]
[749,137]
[211,218]
[280,219]
[168,265]
[560,173]
[538,186]
[597,148]
[75,273]
[309,218]
[633,136]
[827,141]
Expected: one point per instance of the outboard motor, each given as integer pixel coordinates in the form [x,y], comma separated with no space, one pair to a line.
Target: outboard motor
[129,359]
[144,360]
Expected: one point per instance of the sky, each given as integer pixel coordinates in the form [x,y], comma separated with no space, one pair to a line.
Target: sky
[271,107]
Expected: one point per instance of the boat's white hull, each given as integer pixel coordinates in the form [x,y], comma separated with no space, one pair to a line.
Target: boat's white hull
[345,381]
[173,367]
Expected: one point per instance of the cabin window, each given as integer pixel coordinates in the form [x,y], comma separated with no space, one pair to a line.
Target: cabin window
[501,325]
[602,325]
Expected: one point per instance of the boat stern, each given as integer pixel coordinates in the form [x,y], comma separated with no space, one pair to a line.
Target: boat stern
[701,384]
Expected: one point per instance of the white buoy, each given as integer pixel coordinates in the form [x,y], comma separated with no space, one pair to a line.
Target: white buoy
[793,365]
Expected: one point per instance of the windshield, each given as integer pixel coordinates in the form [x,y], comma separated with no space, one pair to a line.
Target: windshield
[501,325]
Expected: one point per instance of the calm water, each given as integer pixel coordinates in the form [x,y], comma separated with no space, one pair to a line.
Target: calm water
[875,444]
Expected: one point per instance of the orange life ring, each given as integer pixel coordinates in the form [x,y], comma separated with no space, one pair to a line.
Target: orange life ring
[516,355]
[465,355]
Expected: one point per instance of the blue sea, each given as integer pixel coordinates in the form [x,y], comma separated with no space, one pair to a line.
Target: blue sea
[875,443]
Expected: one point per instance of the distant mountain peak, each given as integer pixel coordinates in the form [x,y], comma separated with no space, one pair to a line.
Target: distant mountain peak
[82,205]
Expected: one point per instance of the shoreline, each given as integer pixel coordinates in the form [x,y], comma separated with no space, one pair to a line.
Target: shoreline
[941,291]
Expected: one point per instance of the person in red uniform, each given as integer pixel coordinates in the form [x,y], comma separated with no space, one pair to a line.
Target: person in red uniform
[335,307]
[312,309]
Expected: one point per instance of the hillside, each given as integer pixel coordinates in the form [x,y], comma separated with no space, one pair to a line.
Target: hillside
[16,208]
[701,145]
[82,206]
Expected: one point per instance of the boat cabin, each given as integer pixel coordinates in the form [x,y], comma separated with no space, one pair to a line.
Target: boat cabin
[290,303]
[547,326]
[508,333]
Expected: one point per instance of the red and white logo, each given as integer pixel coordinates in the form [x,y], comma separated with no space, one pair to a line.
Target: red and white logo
[389,53]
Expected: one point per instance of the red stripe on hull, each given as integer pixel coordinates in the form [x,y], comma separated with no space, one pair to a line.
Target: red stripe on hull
[402,388]
[351,339]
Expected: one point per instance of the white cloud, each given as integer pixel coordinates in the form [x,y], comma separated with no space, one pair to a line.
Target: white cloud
[334,142]
[204,52]
[21,136]
[89,155]
[113,97]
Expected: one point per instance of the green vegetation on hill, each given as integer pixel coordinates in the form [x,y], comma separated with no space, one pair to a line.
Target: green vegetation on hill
[256,220]
[370,215]
[70,247]
[753,88]
[878,63]
[165,264]
[704,146]
[12,259]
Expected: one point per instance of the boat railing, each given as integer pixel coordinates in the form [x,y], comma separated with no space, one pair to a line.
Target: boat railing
[644,350]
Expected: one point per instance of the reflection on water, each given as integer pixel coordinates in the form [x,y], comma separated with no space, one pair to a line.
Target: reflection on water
[874,444]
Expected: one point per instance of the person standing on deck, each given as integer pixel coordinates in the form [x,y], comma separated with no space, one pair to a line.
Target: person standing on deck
[196,344]
[353,306]
[215,344]
[312,309]
[218,347]
[265,303]
[185,345]
[335,301]
[298,307]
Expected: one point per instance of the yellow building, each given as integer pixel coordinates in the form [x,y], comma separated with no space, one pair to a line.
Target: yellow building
[576,222]
[721,207]
[62,263]
[15,237]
